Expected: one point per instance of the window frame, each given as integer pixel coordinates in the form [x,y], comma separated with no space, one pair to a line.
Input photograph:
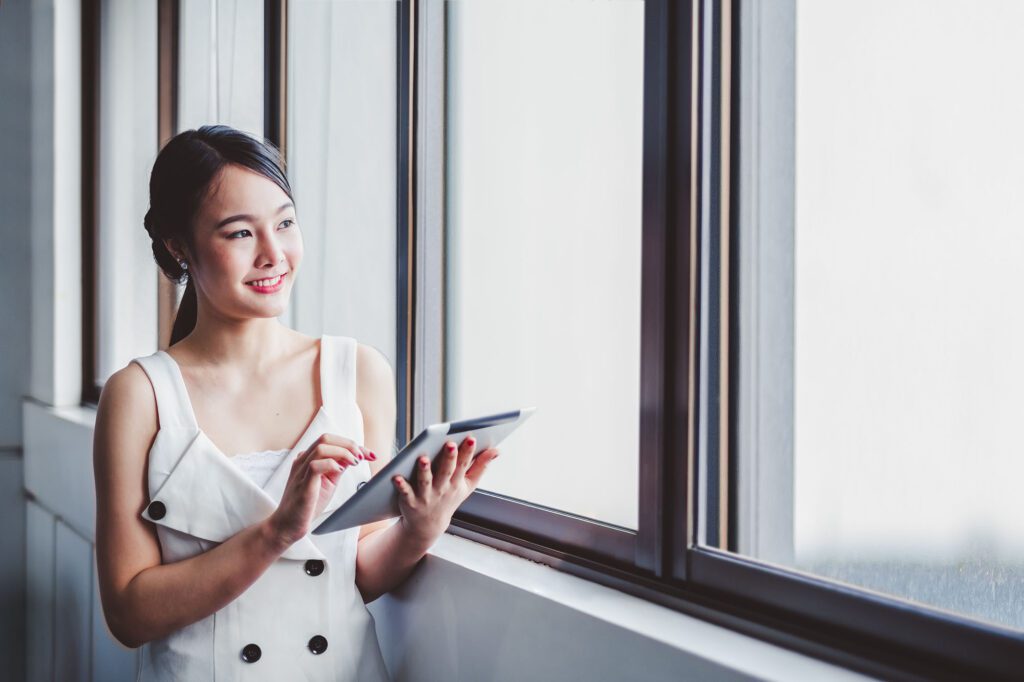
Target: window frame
[90,117]
[690,255]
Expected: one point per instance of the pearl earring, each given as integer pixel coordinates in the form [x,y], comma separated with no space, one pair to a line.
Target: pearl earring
[183,264]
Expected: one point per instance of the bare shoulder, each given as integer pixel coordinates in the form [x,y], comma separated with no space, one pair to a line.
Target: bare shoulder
[375,377]
[375,395]
[126,418]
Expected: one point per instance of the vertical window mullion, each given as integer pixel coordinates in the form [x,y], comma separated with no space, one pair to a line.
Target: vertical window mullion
[406,211]
[90,74]
[275,70]
[167,126]
[655,297]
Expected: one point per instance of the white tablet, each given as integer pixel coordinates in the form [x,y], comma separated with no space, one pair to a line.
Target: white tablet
[377,499]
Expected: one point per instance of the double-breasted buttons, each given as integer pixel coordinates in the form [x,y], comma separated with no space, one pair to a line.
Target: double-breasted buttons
[251,653]
[318,644]
[156,510]
[314,567]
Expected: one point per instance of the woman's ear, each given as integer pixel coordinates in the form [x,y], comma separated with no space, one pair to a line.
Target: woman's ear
[175,249]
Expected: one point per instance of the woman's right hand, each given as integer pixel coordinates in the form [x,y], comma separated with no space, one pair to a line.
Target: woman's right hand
[311,483]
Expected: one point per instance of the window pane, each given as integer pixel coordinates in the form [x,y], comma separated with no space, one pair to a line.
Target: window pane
[543,237]
[342,89]
[126,275]
[221,64]
[879,225]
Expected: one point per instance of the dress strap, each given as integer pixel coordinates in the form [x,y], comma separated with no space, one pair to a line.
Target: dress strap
[338,373]
[172,403]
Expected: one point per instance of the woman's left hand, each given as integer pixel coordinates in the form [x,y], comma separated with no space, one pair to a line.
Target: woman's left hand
[428,503]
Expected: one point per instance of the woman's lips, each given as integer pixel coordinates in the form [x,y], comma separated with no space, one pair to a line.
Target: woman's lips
[268,289]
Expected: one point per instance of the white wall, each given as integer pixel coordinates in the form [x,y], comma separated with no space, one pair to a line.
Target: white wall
[15,332]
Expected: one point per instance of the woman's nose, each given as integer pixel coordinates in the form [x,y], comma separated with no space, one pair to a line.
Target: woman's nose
[271,250]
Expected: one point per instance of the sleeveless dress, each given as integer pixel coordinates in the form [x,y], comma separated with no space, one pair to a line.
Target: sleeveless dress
[304,618]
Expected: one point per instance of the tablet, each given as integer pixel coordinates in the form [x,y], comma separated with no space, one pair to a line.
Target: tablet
[377,499]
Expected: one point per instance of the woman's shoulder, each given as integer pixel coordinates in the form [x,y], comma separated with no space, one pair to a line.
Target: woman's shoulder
[126,416]
[375,379]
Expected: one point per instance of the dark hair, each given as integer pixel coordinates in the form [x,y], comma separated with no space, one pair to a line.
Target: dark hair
[183,175]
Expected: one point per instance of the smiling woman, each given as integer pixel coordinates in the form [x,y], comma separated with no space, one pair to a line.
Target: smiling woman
[201,177]
[195,552]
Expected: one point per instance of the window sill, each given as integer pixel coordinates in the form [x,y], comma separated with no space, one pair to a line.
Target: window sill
[530,620]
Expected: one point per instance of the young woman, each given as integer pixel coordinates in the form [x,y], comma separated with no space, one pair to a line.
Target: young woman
[210,472]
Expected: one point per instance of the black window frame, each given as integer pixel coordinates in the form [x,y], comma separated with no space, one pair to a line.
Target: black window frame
[691,74]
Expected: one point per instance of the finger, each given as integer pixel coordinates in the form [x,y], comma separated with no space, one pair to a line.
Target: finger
[340,454]
[424,476]
[314,471]
[405,490]
[480,466]
[333,440]
[324,467]
[340,441]
[445,463]
[466,453]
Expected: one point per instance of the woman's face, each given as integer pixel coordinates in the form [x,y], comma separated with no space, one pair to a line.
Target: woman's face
[246,231]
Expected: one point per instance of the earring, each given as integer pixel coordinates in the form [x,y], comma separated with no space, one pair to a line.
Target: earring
[183,264]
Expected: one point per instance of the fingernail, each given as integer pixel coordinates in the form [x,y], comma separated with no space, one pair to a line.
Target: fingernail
[450,446]
[471,440]
[373,455]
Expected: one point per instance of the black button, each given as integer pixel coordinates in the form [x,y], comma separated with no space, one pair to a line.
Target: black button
[314,567]
[251,653]
[360,484]
[157,510]
[318,644]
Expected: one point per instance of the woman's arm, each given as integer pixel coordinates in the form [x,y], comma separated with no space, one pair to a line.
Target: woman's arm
[142,598]
[385,557]
[388,552]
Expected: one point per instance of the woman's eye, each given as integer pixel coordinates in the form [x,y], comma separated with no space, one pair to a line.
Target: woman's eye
[285,223]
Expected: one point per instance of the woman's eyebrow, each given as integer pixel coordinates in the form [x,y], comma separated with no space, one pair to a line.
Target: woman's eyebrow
[248,218]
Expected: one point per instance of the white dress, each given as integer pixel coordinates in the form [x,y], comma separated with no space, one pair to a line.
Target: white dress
[304,618]
[259,466]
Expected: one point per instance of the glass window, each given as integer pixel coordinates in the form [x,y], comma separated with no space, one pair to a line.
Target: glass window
[126,275]
[543,242]
[342,160]
[879,233]
[221,64]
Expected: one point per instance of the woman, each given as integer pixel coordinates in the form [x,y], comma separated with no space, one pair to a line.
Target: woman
[206,558]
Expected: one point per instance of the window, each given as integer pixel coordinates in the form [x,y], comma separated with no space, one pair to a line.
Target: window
[221,77]
[128,146]
[119,145]
[542,243]
[774,448]
[342,163]
[875,428]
